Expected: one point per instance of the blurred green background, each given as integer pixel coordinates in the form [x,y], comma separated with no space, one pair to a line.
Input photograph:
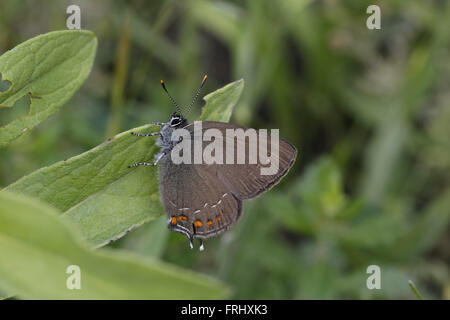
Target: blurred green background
[368,110]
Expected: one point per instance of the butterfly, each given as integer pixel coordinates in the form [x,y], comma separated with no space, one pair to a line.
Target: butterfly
[205,199]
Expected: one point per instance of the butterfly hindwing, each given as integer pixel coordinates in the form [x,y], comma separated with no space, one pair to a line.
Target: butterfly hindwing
[198,204]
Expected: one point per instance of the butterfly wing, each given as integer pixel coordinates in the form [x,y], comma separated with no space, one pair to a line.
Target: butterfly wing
[245,181]
[204,200]
[198,204]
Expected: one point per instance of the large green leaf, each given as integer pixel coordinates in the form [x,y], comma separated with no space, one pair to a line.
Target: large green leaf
[49,68]
[220,103]
[99,193]
[37,247]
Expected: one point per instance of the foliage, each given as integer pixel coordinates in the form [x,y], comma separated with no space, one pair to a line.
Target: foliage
[368,111]
[37,248]
[99,193]
[49,68]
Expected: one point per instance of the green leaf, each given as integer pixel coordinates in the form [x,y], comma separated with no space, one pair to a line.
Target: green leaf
[321,187]
[220,103]
[99,193]
[431,224]
[375,232]
[150,240]
[49,68]
[37,247]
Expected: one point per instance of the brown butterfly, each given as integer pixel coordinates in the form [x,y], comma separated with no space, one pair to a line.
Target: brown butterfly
[203,200]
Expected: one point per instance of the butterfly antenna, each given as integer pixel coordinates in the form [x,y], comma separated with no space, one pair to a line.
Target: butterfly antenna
[170,97]
[198,92]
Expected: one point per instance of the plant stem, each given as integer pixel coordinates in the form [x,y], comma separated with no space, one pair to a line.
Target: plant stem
[414,289]
[120,78]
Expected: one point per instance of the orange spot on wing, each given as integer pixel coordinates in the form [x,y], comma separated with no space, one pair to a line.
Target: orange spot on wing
[218,218]
[209,222]
[182,217]
[173,221]
[198,223]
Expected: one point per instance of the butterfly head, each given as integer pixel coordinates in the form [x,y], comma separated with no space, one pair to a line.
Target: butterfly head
[177,120]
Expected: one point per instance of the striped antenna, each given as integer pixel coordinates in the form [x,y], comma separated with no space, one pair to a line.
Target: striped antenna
[171,99]
[196,95]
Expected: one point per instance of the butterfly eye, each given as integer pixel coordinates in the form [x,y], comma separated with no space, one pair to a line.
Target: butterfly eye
[175,122]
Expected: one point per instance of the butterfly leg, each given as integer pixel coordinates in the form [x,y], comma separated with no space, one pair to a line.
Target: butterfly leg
[160,124]
[141,164]
[157,158]
[146,135]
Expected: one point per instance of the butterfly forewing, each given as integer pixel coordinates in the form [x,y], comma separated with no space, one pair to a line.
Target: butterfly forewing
[245,181]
